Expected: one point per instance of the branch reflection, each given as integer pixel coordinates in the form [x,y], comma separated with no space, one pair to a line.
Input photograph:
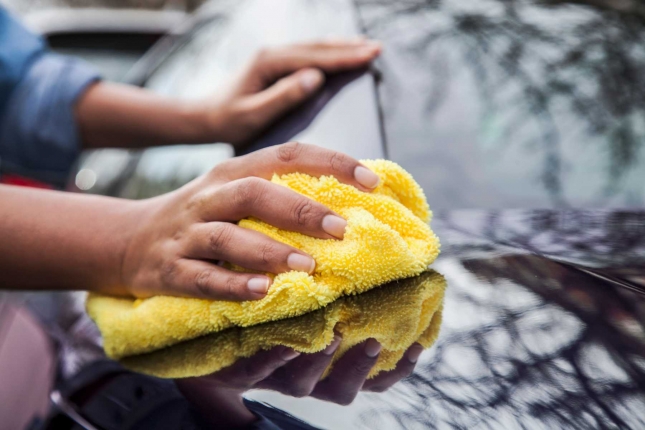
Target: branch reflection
[548,96]
[531,342]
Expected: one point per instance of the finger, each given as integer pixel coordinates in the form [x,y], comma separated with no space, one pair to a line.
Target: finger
[349,373]
[246,248]
[247,372]
[274,204]
[298,157]
[330,56]
[403,369]
[299,377]
[272,103]
[203,280]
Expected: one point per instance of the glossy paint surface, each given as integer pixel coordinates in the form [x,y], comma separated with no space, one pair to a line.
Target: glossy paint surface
[528,340]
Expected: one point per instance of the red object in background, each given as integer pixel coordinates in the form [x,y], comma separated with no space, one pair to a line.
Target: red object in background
[21,181]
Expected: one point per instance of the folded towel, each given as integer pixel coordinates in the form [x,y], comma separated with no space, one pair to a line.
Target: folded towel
[397,315]
[387,237]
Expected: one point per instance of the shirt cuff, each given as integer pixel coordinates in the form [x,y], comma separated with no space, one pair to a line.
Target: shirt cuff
[39,136]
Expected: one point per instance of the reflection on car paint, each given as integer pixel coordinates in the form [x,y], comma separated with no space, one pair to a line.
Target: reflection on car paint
[396,314]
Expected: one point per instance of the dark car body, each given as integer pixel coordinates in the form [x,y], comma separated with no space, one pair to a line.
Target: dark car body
[497,108]
[543,327]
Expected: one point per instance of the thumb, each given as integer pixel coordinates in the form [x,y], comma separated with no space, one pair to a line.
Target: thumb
[286,94]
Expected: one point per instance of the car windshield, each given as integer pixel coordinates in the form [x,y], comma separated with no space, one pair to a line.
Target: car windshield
[488,104]
[497,104]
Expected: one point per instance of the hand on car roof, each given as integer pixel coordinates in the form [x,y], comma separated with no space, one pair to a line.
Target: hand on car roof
[274,82]
[278,79]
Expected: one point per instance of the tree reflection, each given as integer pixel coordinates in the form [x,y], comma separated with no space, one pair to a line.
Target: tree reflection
[548,347]
[556,72]
[603,241]
[529,342]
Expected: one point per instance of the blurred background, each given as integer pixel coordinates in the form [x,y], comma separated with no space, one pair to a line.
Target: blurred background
[27,6]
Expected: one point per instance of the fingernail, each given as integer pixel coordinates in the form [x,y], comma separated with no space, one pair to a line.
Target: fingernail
[414,353]
[333,346]
[366,177]
[311,80]
[258,285]
[334,225]
[289,354]
[301,263]
[372,348]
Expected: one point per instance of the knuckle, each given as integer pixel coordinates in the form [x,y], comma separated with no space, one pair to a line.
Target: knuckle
[289,152]
[231,286]
[247,191]
[304,211]
[362,367]
[220,237]
[338,161]
[269,253]
[202,283]
[198,201]
[168,271]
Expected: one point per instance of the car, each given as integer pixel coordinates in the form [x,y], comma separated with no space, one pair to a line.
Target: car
[523,122]
[218,40]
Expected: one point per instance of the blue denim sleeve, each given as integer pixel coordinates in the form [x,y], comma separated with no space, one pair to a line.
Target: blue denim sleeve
[18,48]
[39,137]
[38,89]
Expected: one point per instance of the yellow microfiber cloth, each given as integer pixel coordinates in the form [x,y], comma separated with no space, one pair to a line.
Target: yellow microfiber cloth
[387,237]
[397,315]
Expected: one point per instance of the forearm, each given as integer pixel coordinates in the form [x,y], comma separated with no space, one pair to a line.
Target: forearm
[55,240]
[113,115]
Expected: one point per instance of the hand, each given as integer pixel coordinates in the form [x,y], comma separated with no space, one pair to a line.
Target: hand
[182,235]
[279,79]
[219,396]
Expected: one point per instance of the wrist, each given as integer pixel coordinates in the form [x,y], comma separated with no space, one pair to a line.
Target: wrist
[224,121]
[202,122]
[122,223]
[135,241]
